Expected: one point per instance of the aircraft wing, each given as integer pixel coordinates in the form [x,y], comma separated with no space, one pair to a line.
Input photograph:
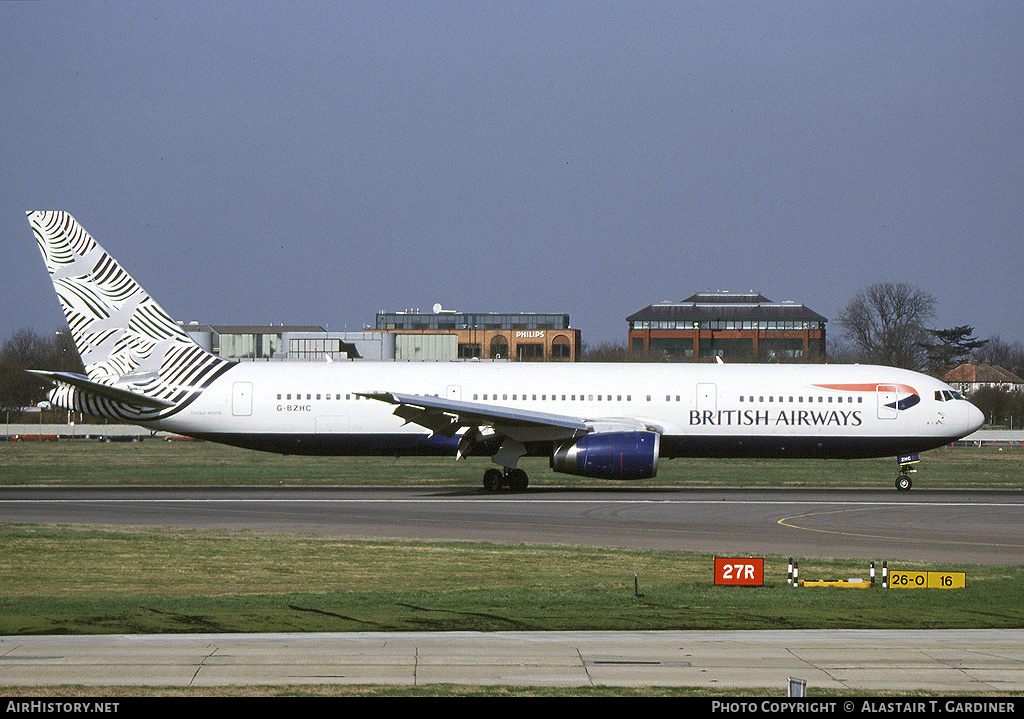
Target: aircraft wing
[446,416]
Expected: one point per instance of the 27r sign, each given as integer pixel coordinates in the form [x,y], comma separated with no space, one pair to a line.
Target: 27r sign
[744,572]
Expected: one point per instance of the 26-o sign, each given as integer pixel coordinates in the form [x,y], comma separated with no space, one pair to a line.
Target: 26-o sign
[746,572]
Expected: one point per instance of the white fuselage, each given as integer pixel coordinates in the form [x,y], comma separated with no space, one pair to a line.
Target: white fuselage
[699,409]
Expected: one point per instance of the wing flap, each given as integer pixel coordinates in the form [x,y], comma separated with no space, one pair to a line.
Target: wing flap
[447,416]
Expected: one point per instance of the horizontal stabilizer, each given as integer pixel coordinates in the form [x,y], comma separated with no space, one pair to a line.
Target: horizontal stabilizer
[116,394]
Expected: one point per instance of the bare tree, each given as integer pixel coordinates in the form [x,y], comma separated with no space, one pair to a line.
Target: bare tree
[886,324]
[604,352]
[26,350]
[840,352]
[1000,406]
[1009,356]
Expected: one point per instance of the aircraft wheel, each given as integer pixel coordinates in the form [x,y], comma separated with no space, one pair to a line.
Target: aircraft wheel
[518,480]
[492,480]
[903,482]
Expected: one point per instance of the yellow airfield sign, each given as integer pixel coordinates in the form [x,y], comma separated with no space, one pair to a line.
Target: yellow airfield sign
[926,580]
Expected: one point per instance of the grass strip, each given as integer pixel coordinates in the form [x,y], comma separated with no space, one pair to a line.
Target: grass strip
[203,463]
[70,580]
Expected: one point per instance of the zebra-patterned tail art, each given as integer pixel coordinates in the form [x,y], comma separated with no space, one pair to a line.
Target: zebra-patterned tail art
[139,364]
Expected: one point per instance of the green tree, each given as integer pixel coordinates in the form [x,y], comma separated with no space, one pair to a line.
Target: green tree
[948,348]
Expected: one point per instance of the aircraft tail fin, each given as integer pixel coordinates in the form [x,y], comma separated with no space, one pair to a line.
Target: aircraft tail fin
[125,339]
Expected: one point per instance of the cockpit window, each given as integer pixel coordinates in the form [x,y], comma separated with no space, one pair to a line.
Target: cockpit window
[944,395]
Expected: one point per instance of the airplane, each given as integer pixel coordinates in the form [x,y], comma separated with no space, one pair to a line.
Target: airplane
[607,421]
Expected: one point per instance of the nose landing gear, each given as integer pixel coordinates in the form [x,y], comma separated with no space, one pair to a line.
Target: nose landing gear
[907,463]
[903,482]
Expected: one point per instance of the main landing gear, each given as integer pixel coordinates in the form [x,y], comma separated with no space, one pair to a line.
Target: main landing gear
[510,478]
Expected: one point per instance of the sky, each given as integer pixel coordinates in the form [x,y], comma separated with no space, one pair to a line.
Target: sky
[316,163]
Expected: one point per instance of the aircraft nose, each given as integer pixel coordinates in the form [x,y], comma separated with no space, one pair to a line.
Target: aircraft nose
[975,418]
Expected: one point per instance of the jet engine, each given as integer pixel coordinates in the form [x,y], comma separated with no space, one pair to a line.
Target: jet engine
[609,455]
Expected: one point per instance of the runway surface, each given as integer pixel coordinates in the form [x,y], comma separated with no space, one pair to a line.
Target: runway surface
[981,527]
[978,526]
[952,662]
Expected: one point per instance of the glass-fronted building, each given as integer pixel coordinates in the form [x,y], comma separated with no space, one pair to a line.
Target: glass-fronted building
[739,326]
[522,337]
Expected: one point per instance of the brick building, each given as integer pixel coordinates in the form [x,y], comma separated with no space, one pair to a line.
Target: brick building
[447,334]
[731,325]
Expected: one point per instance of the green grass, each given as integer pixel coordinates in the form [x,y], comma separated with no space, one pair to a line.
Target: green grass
[109,580]
[65,580]
[76,580]
[73,580]
[203,463]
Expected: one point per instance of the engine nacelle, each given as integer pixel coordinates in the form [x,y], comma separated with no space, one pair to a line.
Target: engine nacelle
[609,455]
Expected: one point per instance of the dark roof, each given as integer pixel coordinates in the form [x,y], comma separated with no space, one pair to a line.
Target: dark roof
[749,298]
[262,329]
[729,306]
